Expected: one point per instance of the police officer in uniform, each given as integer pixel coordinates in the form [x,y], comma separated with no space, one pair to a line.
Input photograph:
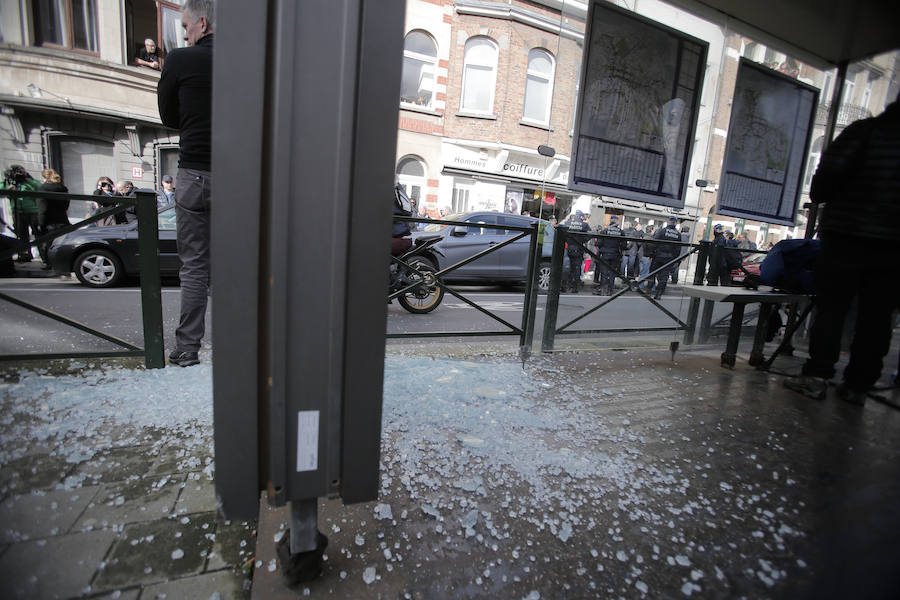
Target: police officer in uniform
[718,270]
[575,252]
[610,250]
[664,253]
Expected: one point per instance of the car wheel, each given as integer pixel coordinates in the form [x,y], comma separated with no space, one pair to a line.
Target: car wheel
[98,268]
[543,277]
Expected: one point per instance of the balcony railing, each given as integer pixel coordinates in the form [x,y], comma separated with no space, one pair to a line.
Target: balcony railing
[847,113]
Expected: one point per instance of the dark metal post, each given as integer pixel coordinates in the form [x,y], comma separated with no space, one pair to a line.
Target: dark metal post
[834,107]
[151,294]
[694,308]
[530,304]
[552,308]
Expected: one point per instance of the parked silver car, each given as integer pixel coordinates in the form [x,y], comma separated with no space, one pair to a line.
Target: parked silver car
[507,265]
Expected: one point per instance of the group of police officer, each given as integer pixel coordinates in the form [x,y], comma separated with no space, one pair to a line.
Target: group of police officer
[611,244]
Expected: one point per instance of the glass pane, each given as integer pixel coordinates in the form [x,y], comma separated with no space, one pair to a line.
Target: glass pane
[536,94]
[411,167]
[477,92]
[48,16]
[172,36]
[417,82]
[166,219]
[539,62]
[418,42]
[168,159]
[481,52]
[84,24]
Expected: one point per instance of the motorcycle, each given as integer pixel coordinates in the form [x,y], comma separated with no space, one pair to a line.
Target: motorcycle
[412,278]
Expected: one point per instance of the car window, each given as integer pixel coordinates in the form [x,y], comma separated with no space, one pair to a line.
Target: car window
[438,226]
[515,222]
[166,219]
[488,219]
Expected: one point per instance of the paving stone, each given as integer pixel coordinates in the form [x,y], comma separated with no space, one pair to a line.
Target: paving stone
[31,472]
[143,499]
[115,464]
[59,568]
[224,585]
[197,495]
[234,545]
[179,460]
[42,514]
[157,551]
[132,594]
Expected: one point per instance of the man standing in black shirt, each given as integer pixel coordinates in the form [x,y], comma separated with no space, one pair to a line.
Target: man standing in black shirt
[185,103]
[857,182]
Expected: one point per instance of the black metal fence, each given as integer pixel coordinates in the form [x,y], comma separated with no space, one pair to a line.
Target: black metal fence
[525,330]
[145,208]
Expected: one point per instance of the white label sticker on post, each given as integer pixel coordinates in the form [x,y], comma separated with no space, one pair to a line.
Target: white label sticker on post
[307,440]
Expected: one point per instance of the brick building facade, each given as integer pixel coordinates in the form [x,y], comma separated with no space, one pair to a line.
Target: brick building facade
[488,159]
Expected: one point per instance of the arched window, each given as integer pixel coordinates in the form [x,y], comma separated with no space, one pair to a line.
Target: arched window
[538,87]
[479,76]
[411,175]
[419,65]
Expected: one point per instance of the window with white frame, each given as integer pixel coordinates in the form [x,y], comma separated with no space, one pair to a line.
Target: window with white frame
[538,87]
[70,24]
[849,89]
[461,191]
[411,176]
[419,68]
[479,76]
[815,153]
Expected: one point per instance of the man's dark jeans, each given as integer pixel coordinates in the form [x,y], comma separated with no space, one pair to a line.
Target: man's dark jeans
[192,219]
[849,267]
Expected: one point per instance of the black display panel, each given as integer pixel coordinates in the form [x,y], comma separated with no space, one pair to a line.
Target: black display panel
[640,96]
[768,140]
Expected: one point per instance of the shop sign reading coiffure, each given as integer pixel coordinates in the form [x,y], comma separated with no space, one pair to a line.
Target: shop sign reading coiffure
[500,162]
[523,170]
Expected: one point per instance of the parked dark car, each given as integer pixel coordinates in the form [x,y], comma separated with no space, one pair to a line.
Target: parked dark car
[102,256]
[506,265]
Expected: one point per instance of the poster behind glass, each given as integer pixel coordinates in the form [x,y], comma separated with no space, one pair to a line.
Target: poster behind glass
[641,95]
[768,139]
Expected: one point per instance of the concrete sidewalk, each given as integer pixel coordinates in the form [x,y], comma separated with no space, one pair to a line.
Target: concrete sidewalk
[631,476]
[94,508]
[582,475]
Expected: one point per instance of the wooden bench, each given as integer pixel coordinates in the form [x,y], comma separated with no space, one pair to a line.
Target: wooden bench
[740,298]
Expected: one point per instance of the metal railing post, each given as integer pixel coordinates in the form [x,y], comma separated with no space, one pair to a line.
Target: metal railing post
[694,308]
[151,292]
[552,308]
[530,304]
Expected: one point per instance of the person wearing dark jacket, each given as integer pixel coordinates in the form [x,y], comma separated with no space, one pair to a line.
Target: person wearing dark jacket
[53,213]
[718,267]
[858,184]
[575,253]
[664,253]
[185,102]
[610,250]
[632,249]
[25,210]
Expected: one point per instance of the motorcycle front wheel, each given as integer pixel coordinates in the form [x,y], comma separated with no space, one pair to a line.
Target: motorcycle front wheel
[426,296]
